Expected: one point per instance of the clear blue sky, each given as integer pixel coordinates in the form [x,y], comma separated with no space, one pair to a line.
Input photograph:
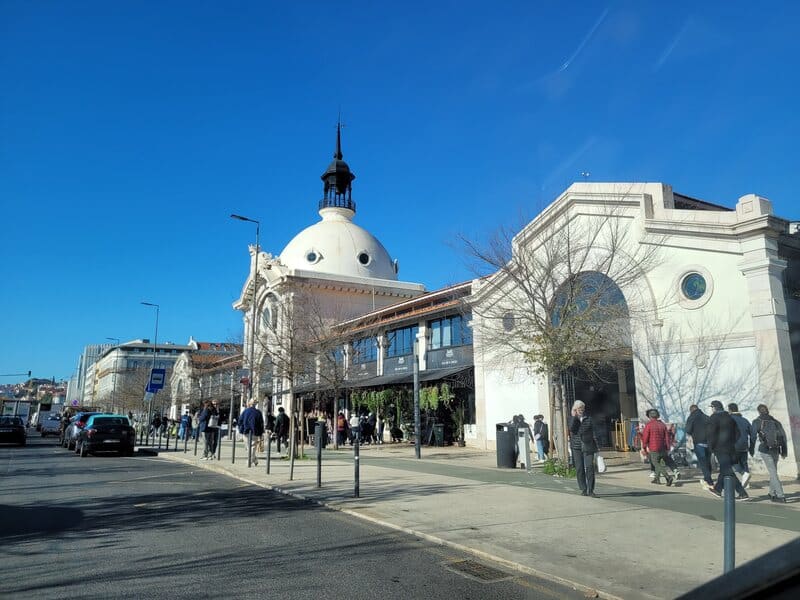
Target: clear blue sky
[129,131]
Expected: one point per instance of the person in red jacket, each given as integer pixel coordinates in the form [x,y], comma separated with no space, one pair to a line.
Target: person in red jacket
[655,440]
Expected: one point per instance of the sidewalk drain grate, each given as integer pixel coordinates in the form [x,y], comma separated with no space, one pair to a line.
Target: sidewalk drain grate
[477,570]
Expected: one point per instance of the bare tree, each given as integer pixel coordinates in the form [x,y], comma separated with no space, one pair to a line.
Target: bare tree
[551,293]
[680,367]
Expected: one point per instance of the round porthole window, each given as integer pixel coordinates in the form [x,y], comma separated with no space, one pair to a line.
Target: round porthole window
[693,286]
[313,256]
[363,258]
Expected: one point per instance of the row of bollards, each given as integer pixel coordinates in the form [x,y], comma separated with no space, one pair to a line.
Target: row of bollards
[319,434]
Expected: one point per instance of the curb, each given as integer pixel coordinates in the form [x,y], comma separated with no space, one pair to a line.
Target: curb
[588,591]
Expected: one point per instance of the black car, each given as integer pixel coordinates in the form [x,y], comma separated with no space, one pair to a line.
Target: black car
[12,431]
[106,433]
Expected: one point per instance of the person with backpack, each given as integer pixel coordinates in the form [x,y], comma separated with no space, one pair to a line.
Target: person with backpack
[722,436]
[744,437]
[772,443]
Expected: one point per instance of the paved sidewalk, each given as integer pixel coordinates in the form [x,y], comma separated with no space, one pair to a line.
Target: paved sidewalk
[636,540]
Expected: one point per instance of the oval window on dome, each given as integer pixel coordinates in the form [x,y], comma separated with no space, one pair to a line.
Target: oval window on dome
[693,286]
[313,257]
[363,258]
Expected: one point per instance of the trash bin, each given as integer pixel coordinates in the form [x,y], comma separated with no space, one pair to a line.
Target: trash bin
[438,434]
[506,445]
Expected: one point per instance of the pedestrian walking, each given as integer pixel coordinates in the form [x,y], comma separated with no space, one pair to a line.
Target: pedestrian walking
[185,426]
[541,436]
[696,426]
[655,442]
[722,436]
[355,428]
[251,421]
[282,427]
[771,444]
[341,429]
[207,414]
[744,438]
[583,443]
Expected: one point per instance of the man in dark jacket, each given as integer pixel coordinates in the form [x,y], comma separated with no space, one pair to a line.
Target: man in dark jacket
[282,428]
[696,426]
[772,443]
[582,441]
[542,437]
[722,436]
[252,422]
[744,436]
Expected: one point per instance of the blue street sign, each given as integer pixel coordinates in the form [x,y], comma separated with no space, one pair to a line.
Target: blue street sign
[157,377]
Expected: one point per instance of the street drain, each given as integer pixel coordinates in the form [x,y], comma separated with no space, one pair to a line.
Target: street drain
[476,570]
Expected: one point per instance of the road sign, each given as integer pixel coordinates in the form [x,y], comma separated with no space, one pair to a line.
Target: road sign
[157,377]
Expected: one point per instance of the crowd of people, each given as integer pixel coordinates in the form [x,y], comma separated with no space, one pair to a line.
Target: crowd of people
[725,435]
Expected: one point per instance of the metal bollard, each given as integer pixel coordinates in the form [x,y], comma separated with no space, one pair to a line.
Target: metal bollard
[355,463]
[159,439]
[249,449]
[233,449]
[318,433]
[269,449]
[218,440]
[729,543]
[176,442]
[185,443]
[167,443]
[196,439]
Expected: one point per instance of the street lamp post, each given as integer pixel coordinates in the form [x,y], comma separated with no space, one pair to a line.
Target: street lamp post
[155,344]
[253,310]
[114,374]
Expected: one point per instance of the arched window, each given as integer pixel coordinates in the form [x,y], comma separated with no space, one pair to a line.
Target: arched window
[590,295]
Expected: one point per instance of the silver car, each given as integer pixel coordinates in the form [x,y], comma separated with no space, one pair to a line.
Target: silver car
[50,426]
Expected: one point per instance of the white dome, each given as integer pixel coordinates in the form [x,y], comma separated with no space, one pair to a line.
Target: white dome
[338,246]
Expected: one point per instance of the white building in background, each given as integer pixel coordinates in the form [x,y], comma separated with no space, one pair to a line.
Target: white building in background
[717,317]
[119,376]
[346,269]
[84,388]
[208,371]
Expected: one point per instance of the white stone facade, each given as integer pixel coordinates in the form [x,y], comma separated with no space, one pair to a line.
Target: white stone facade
[732,343]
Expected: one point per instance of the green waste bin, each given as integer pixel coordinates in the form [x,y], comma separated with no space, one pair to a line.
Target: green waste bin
[438,434]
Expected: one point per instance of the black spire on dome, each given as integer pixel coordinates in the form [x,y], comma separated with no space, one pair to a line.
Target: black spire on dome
[338,179]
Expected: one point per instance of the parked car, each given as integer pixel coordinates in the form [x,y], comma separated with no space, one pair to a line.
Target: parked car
[12,431]
[73,429]
[50,426]
[106,433]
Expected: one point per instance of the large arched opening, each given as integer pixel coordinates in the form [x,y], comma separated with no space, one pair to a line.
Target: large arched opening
[603,373]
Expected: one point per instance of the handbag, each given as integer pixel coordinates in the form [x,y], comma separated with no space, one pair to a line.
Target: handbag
[601,464]
[213,421]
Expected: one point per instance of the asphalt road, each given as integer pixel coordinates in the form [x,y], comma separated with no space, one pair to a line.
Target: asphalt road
[142,527]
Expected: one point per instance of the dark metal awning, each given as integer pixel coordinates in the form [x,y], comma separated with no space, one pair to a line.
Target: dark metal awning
[437,374]
[391,379]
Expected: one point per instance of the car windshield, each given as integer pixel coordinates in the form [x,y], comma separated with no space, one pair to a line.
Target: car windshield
[10,421]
